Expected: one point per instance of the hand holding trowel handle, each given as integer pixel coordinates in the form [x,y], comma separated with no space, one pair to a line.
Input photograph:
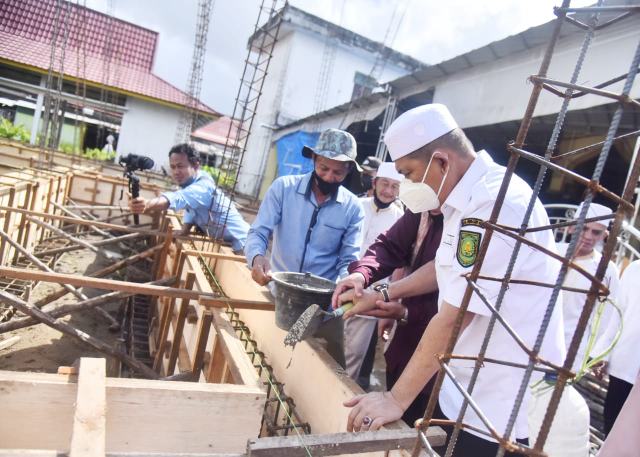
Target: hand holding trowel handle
[351,289]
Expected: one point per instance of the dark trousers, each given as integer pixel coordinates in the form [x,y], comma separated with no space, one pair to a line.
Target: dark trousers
[468,445]
[364,376]
[616,396]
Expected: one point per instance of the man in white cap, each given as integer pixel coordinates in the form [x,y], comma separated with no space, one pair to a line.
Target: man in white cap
[587,256]
[443,170]
[380,213]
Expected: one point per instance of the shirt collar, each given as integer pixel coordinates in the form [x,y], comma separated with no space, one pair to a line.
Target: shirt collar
[304,188]
[462,192]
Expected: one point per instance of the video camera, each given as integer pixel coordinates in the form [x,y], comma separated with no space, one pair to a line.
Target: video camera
[132,163]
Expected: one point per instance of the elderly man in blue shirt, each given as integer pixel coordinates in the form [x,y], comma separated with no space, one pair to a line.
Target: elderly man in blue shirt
[315,223]
[204,204]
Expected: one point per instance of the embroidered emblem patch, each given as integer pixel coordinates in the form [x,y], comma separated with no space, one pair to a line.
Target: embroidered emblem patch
[472,221]
[468,246]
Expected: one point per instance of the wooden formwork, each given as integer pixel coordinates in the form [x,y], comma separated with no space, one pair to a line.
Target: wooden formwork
[90,414]
[191,337]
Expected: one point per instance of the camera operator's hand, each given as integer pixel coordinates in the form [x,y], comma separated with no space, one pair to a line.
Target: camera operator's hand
[260,270]
[141,205]
[137,205]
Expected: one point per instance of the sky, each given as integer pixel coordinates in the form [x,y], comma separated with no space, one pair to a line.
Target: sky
[429,30]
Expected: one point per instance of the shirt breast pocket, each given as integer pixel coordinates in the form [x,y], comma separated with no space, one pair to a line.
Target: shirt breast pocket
[444,255]
[327,237]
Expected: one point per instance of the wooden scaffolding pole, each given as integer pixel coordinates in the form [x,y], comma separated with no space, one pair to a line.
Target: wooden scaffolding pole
[71,220]
[106,254]
[63,310]
[98,274]
[79,335]
[117,239]
[125,286]
[114,324]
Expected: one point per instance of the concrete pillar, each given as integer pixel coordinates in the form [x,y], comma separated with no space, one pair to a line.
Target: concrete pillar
[37,113]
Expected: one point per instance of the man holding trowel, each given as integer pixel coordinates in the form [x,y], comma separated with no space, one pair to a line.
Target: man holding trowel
[315,223]
[442,169]
[409,244]
[381,212]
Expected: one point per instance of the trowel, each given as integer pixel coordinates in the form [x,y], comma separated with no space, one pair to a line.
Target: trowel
[310,320]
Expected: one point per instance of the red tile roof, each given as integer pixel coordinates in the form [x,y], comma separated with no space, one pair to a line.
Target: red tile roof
[217,131]
[26,29]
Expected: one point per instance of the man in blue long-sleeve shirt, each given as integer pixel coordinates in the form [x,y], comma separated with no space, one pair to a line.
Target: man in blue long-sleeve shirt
[315,222]
[204,203]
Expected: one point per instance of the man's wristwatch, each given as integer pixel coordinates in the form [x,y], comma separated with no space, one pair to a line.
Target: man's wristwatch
[384,290]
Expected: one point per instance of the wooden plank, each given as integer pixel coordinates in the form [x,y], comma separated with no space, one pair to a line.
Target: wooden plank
[340,443]
[221,302]
[71,220]
[215,255]
[163,334]
[88,438]
[217,362]
[308,368]
[240,367]
[104,284]
[179,326]
[142,416]
[201,344]
[137,288]
[7,221]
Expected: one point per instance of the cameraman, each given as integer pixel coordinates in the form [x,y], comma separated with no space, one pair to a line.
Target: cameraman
[205,205]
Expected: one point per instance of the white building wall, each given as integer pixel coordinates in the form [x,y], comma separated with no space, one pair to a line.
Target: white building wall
[290,91]
[148,129]
[305,69]
[499,91]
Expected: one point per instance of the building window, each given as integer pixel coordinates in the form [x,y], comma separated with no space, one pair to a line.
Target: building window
[362,85]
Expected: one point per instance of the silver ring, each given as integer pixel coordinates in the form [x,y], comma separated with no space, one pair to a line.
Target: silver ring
[366,421]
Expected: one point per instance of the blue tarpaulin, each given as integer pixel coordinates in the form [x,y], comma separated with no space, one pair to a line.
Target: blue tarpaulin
[289,151]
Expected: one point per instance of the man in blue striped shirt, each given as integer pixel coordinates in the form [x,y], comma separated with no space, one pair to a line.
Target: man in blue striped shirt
[204,203]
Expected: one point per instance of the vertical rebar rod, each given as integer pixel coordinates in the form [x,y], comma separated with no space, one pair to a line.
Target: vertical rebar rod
[524,127]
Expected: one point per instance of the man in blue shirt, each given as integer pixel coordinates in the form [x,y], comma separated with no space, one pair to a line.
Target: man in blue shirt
[204,204]
[315,222]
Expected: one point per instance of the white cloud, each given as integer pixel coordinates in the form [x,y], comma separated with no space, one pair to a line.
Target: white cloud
[431,31]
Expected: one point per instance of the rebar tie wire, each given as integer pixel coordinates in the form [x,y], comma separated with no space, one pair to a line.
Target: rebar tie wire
[564,374]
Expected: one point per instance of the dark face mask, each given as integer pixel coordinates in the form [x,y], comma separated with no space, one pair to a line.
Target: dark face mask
[379,203]
[367,182]
[327,188]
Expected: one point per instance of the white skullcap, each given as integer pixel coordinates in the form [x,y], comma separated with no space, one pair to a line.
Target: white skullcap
[416,128]
[595,210]
[388,170]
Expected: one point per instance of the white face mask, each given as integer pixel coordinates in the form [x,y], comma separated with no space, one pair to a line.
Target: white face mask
[418,196]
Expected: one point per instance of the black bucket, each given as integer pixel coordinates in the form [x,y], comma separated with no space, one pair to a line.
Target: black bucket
[295,292]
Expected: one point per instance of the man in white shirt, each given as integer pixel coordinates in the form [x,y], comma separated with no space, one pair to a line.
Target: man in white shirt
[380,213]
[434,154]
[587,256]
[623,362]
